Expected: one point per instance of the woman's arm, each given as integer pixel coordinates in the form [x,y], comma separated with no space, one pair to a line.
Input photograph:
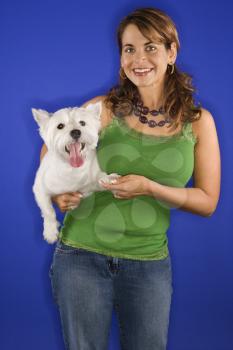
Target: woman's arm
[43,151]
[202,199]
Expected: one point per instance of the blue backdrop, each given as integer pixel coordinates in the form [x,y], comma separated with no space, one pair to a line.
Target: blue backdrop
[57,53]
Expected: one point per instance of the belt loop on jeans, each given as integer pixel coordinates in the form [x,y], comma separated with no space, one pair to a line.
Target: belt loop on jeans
[115,261]
[113,264]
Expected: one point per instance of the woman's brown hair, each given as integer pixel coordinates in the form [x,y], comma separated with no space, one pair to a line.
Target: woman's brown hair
[179,102]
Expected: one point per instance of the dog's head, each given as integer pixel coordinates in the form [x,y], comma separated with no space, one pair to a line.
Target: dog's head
[70,132]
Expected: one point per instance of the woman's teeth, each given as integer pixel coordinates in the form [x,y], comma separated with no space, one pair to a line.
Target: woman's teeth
[142,71]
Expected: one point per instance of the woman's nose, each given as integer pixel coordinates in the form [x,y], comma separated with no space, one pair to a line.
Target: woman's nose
[139,57]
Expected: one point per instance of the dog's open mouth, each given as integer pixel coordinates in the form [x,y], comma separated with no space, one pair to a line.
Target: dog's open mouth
[74,150]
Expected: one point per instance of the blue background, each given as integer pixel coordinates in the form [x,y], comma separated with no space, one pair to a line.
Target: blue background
[61,53]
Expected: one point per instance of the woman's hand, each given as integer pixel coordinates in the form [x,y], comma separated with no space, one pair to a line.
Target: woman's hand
[129,186]
[67,201]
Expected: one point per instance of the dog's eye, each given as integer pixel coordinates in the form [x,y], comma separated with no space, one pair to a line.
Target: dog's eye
[82,123]
[61,126]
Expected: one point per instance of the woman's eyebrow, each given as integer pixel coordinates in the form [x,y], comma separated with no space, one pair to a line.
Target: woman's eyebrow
[147,43]
[127,45]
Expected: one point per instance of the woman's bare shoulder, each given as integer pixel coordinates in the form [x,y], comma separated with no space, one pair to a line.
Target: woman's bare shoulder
[94,100]
[205,125]
[106,114]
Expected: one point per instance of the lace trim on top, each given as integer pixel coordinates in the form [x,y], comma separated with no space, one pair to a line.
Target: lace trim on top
[185,133]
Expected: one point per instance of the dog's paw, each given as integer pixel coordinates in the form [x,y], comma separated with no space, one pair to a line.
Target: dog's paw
[51,237]
[109,179]
[51,231]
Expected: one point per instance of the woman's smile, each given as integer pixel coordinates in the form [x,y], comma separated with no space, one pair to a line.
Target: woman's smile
[142,72]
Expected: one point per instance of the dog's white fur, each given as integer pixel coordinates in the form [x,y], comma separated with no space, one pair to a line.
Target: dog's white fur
[55,174]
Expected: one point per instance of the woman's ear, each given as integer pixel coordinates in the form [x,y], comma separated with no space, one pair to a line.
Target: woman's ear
[172,53]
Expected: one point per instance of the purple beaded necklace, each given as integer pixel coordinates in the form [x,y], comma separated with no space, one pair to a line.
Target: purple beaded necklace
[141,111]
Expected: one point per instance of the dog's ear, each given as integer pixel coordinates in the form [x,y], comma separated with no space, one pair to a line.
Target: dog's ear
[96,108]
[41,116]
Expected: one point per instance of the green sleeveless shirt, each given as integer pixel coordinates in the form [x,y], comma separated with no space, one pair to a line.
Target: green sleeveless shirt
[131,228]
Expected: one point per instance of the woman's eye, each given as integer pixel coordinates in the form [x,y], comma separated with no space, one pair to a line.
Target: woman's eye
[82,123]
[129,50]
[60,126]
[150,48]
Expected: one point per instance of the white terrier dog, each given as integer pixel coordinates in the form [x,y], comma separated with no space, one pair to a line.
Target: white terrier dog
[71,136]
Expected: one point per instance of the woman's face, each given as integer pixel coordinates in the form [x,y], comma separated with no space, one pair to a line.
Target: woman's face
[144,61]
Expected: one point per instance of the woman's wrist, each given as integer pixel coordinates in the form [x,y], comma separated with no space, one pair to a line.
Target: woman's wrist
[150,187]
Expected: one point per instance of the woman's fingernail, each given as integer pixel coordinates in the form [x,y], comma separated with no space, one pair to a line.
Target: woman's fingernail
[113,181]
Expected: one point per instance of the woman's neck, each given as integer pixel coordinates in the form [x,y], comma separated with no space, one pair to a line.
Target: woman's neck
[152,97]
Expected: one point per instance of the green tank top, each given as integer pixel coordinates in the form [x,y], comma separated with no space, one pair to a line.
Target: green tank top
[131,228]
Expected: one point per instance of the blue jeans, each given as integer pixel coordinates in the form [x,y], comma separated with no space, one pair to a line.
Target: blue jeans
[87,286]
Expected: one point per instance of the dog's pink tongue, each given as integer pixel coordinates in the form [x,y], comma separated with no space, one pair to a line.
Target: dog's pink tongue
[75,156]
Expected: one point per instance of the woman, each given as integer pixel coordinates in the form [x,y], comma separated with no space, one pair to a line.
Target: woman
[113,249]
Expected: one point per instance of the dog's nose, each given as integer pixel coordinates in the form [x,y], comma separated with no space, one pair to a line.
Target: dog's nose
[75,134]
